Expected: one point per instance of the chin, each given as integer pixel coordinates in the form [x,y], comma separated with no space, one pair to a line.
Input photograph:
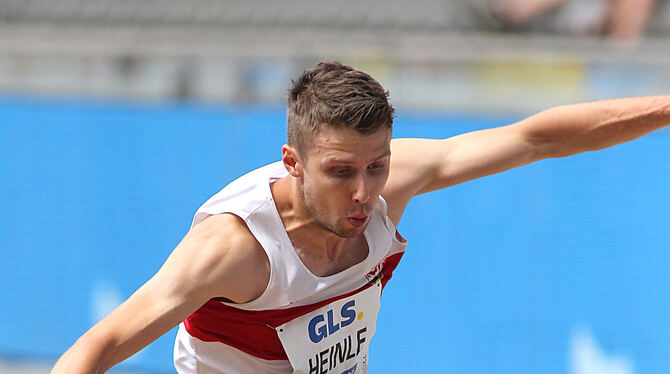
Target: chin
[351,232]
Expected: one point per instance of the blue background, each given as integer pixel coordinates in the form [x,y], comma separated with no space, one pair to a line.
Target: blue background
[498,276]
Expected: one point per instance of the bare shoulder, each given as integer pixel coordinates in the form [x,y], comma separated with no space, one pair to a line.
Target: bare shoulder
[411,165]
[226,259]
[217,258]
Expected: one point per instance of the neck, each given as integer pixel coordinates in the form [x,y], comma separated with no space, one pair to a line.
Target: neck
[305,233]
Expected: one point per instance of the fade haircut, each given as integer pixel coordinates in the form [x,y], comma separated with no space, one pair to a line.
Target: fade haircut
[335,94]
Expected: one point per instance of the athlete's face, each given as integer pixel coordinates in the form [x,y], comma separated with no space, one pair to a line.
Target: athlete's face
[344,174]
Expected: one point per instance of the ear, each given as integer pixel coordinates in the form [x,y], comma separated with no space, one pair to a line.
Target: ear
[292,163]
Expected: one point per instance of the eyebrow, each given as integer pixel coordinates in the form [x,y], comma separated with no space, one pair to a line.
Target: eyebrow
[336,160]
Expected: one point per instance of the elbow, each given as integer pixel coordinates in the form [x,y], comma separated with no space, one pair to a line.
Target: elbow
[542,147]
[554,150]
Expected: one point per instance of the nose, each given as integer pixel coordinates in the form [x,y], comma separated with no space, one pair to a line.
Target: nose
[361,193]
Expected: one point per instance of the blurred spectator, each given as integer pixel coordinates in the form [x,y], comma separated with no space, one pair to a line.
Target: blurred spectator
[619,19]
[628,18]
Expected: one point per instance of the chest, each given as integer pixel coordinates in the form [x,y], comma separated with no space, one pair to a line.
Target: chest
[325,263]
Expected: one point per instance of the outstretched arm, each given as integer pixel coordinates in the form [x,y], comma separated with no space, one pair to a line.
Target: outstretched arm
[215,258]
[424,165]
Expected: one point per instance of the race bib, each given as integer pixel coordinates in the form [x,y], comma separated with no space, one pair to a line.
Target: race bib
[335,338]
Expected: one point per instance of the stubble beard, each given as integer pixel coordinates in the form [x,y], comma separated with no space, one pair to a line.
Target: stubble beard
[335,227]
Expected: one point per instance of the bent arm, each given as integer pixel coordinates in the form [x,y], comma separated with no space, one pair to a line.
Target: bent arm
[424,165]
[214,259]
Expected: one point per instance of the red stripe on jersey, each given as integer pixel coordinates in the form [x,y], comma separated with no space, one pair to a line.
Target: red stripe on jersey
[252,331]
[390,264]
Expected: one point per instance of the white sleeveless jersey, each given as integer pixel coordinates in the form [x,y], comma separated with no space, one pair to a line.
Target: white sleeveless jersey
[322,324]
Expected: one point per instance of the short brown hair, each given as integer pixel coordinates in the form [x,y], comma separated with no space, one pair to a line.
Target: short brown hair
[335,94]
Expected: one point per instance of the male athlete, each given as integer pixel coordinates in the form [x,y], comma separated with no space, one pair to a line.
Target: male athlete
[282,270]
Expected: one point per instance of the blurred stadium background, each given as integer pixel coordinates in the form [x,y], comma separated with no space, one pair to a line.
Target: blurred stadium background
[119,118]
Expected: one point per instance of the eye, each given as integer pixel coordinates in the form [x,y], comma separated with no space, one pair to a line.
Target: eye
[341,171]
[377,166]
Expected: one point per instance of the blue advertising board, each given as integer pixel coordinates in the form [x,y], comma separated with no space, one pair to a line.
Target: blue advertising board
[556,267]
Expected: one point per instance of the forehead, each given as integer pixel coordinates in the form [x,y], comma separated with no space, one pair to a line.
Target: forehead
[341,144]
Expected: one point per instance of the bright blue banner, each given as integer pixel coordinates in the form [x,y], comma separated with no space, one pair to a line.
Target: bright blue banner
[556,267]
